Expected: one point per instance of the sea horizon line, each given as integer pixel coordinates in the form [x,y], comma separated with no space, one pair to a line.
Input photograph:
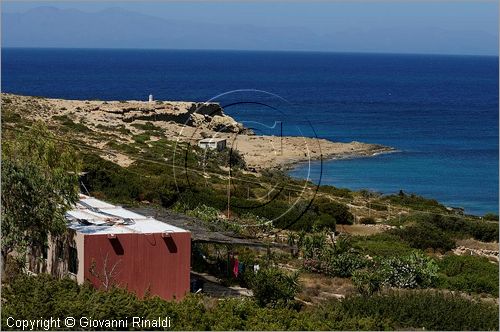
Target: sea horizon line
[250,51]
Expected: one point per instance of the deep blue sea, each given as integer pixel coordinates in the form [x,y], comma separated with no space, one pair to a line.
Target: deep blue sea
[440,112]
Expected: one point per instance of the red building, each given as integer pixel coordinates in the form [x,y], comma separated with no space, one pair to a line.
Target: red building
[111,246]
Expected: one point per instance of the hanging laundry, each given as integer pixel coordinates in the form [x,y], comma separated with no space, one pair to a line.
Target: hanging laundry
[235,268]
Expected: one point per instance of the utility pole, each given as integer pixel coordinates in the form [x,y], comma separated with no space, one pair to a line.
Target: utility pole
[369,208]
[281,136]
[229,195]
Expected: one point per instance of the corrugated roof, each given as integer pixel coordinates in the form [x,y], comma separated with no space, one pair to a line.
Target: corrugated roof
[93,216]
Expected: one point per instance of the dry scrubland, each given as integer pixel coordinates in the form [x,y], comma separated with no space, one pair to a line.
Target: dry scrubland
[398,261]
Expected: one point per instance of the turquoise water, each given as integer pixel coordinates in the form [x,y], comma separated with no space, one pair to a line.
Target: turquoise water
[440,112]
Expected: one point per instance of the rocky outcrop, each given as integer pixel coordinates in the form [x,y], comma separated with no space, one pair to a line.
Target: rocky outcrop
[208,116]
[123,121]
[200,115]
[462,250]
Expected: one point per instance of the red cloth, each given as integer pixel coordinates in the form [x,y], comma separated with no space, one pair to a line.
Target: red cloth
[235,267]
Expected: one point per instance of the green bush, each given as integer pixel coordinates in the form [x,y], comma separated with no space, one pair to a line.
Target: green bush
[491,216]
[367,221]
[43,296]
[415,270]
[368,281]
[423,310]
[471,274]
[312,245]
[460,227]
[148,126]
[457,227]
[325,222]
[273,287]
[70,124]
[382,244]
[343,265]
[339,192]
[120,128]
[205,213]
[338,211]
[484,231]
[225,158]
[415,202]
[141,138]
[425,236]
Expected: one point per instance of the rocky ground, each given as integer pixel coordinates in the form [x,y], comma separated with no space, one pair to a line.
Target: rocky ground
[188,122]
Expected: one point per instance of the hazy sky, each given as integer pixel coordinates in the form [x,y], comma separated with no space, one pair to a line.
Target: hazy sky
[371,18]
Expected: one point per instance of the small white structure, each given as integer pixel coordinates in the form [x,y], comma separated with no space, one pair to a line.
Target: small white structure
[150,98]
[213,143]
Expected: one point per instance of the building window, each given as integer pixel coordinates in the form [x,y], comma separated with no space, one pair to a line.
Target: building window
[73,260]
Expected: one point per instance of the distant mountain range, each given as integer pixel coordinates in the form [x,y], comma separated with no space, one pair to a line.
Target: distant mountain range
[118,28]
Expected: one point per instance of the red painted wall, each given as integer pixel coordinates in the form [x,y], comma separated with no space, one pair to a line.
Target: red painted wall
[142,262]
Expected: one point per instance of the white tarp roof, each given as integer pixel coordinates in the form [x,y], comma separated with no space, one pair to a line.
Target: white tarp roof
[93,216]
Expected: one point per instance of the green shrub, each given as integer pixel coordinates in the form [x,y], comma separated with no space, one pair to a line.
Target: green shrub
[382,244]
[43,296]
[325,222]
[312,245]
[415,270]
[425,236]
[339,192]
[484,231]
[338,211]
[206,213]
[471,274]
[491,216]
[273,287]
[67,122]
[141,138]
[415,202]
[10,117]
[457,227]
[120,129]
[419,310]
[236,160]
[368,281]
[367,221]
[343,265]
[148,126]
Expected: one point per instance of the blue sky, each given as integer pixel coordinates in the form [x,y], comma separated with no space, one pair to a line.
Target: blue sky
[465,27]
